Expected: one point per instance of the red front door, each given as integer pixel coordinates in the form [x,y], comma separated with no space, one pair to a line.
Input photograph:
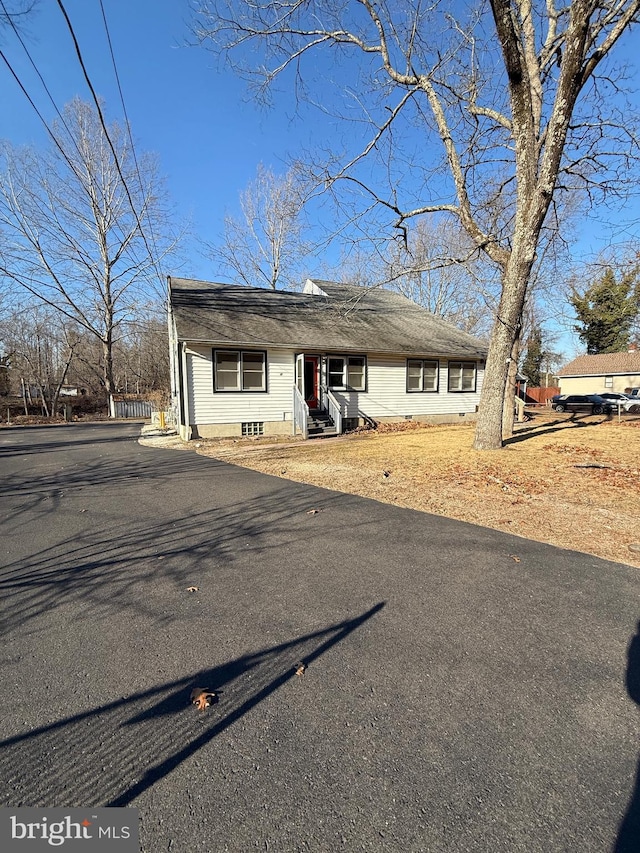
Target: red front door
[311,396]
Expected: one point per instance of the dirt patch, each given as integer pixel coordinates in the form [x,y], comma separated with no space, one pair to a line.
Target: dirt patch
[569,481]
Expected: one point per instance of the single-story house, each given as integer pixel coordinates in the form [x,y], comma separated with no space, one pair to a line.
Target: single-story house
[248,361]
[594,374]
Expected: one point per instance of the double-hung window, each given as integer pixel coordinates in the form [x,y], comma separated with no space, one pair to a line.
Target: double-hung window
[347,373]
[462,376]
[240,370]
[422,375]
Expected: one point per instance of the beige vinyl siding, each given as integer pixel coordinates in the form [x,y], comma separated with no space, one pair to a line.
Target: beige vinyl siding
[209,407]
[387,396]
[596,384]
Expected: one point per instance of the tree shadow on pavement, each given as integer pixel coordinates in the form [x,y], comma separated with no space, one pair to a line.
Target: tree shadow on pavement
[111,754]
[95,559]
[52,438]
[628,840]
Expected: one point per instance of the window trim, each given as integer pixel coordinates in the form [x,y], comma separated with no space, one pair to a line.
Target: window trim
[345,373]
[422,389]
[240,353]
[462,365]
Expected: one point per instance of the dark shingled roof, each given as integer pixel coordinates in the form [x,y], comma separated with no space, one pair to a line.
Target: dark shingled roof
[606,363]
[344,318]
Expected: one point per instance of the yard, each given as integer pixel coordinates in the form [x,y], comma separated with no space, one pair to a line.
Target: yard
[572,481]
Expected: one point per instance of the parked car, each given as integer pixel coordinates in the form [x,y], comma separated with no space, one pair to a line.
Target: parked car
[625,402]
[593,403]
[615,398]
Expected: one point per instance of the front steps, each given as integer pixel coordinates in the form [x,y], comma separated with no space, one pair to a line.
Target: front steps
[320,425]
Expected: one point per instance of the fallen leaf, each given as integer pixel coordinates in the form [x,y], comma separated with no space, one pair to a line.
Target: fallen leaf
[386,474]
[83,510]
[203,698]
[514,558]
[313,511]
[193,588]
[300,668]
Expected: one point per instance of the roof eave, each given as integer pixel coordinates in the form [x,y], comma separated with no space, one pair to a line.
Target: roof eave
[306,347]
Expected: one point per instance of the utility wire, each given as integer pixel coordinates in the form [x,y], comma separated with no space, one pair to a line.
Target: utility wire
[41,78]
[128,126]
[40,116]
[103,123]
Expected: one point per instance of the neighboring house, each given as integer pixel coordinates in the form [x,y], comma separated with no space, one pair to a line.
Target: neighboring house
[593,374]
[72,391]
[248,361]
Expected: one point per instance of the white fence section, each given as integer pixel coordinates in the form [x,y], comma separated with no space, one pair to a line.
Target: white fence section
[130,409]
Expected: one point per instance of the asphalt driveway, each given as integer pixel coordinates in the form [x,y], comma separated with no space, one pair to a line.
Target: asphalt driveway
[465,690]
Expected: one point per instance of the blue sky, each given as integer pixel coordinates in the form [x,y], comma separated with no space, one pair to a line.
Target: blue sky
[209,136]
[182,104]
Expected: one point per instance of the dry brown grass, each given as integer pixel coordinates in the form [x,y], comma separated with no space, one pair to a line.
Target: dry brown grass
[572,482]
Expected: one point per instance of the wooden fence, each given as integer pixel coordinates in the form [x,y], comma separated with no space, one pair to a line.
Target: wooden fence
[540,396]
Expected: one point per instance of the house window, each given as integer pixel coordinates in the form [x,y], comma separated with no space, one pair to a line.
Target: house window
[422,375]
[236,370]
[347,373]
[462,376]
[608,381]
[252,428]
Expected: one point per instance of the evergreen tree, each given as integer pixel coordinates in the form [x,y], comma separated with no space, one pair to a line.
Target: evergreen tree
[532,364]
[606,312]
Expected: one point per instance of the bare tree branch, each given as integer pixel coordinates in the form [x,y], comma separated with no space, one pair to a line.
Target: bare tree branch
[70,237]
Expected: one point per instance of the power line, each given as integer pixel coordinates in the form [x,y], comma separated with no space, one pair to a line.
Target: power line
[39,114]
[41,78]
[128,126]
[101,118]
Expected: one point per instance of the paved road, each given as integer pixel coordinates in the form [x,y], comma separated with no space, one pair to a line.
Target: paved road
[466,690]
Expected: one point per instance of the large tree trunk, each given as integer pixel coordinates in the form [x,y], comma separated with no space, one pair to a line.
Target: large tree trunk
[489,428]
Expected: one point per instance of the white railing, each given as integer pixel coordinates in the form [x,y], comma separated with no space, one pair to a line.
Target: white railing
[300,413]
[335,411]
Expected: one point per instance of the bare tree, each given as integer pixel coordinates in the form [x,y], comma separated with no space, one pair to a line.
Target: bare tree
[75,227]
[507,92]
[265,246]
[13,13]
[438,267]
[142,357]
[41,350]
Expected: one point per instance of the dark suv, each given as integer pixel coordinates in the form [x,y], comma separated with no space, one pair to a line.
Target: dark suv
[593,403]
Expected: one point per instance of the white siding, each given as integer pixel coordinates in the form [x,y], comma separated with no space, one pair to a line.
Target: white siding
[387,397]
[209,407]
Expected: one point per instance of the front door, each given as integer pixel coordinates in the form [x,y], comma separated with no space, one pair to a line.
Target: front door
[311,371]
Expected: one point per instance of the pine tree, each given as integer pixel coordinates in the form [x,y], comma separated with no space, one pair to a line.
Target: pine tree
[532,363]
[606,312]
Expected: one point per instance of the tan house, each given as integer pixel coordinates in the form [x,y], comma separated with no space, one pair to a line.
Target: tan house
[595,374]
